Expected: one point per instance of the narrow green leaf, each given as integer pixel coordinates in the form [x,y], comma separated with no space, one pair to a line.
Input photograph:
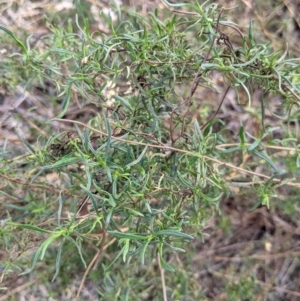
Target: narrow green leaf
[134,212]
[123,101]
[174,4]
[254,145]
[108,142]
[91,196]
[31,227]
[242,136]
[40,253]
[22,46]
[266,158]
[174,248]
[64,161]
[63,51]
[262,105]
[58,258]
[251,39]
[230,150]
[183,181]
[60,206]
[143,251]
[139,158]
[69,238]
[207,198]
[108,217]
[125,248]
[174,233]
[166,266]
[66,102]
[128,235]
[113,261]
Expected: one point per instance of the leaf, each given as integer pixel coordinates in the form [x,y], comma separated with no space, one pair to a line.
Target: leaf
[69,238]
[251,39]
[128,235]
[125,249]
[134,212]
[64,161]
[242,136]
[174,4]
[174,233]
[174,248]
[31,227]
[60,206]
[58,258]
[113,261]
[139,158]
[66,102]
[108,142]
[254,145]
[262,111]
[144,248]
[91,196]
[166,266]
[108,217]
[22,46]
[207,198]
[41,252]
[266,158]
[257,56]
[123,101]
[230,150]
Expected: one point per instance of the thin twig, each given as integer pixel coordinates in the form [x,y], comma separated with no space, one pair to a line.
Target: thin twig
[93,261]
[162,275]
[280,148]
[207,122]
[233,27]
[179,151]
[37,186]
[18,290]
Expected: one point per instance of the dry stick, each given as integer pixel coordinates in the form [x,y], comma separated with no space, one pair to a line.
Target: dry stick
[87,272]
[291,91]
[292,8]
[162,275]
[95,258]
[280,148]
[18,289]
[206,123]
[177,150]
[233,27]
[106,246]
[37,186]
[15,159]
[32,124]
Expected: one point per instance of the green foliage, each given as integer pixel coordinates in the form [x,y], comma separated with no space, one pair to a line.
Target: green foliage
[151,173]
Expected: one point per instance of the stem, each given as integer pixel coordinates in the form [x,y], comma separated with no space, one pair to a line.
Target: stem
[162,275]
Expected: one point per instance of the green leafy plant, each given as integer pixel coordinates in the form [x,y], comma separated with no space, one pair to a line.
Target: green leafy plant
[145,170]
